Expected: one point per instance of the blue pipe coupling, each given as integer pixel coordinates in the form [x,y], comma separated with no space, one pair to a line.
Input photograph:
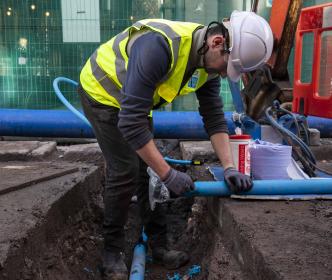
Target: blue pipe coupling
[267,187]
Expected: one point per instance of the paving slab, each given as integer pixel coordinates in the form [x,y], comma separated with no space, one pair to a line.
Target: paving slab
[15,175]
[90,153]
[26,150]
[197,150]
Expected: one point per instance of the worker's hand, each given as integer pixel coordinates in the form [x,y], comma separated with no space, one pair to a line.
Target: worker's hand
[236,181]
[178,182]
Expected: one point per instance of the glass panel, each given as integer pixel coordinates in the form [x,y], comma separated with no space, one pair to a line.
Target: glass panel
[41,40]
[325,71]
[307,57]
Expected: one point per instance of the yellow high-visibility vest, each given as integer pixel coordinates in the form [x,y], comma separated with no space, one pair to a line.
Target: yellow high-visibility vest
[104,73]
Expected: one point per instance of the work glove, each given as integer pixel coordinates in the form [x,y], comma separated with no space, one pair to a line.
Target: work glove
[178,182]
[236,181]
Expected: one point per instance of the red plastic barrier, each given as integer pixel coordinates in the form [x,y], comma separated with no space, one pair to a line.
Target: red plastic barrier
[314,97]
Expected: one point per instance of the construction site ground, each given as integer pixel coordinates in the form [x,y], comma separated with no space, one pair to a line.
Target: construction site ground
[51,216]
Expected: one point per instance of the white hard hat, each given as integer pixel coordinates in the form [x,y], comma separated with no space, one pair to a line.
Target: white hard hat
[251,43]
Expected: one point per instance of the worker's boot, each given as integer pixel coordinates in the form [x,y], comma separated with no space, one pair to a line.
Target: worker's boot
[171,259]
[114,267]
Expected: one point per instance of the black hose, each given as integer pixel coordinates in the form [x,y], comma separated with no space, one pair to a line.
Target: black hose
[296,139]
[307,158]
[306,133]
[294,118]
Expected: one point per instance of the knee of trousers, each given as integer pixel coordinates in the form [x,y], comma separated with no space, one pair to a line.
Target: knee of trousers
[122,177]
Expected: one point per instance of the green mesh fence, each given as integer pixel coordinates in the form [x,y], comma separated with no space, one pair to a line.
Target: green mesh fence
[41,40]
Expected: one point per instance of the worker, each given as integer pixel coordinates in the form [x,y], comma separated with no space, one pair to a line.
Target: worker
[139,70]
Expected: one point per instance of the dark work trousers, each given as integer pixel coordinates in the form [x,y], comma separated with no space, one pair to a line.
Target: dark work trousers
[125,176]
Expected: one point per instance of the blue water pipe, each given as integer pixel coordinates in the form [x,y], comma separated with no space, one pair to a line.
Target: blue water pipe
[322,124]
[63,123]
[137,270]
[138,263]
[167,125]
[178,161]
[267,187]
[43,123]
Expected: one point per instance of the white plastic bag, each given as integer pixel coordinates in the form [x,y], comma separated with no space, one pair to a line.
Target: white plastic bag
[158,192]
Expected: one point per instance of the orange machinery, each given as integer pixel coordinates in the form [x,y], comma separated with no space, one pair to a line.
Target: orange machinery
[312,93]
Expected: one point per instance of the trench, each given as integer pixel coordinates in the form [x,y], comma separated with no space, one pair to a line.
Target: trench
[72,250]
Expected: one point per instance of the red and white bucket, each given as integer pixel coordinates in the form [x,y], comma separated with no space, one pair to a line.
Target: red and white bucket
[240,151]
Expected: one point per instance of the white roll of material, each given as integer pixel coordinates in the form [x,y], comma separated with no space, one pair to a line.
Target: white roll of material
[269,161]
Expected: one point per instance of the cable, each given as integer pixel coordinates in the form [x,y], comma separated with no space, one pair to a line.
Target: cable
[306,134]
[307,158]
[296,139]
[294,118]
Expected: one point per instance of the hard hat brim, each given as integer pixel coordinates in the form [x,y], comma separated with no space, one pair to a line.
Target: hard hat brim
[232,73]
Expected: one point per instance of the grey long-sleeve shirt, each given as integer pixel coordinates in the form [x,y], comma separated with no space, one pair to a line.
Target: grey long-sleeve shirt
[149,62]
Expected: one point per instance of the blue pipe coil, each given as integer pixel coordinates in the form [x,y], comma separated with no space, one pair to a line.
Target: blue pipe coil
[137,270]
[167,125]
[267,187]
[65,101]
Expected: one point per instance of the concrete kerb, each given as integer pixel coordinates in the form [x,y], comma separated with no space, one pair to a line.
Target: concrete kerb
[44,150]
[26,150]
[90,153]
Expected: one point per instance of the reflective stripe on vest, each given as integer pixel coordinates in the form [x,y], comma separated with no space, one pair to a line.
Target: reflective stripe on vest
[169,34]
[120,60]
[104,76]
[104,80]
[120,67]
